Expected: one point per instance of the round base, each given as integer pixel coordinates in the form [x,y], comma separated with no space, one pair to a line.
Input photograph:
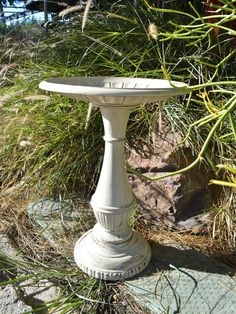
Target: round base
[112,261]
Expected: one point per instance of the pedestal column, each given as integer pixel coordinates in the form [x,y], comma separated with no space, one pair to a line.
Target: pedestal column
[112,250]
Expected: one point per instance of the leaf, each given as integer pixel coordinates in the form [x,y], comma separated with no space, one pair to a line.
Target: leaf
[223,183]
[227,167]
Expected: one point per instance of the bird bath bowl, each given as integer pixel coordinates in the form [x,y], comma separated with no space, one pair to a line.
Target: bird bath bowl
[112,250]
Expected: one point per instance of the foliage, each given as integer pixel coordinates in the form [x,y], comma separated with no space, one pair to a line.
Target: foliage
[45,148]
[126,41]
[216,55]
[88,296]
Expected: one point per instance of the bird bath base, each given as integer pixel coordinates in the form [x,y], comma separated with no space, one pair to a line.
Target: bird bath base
[112,261]
[112,250]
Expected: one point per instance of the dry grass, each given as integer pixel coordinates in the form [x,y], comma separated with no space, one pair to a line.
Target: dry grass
[16,223]
[215,248]
[223,227]
[112,51]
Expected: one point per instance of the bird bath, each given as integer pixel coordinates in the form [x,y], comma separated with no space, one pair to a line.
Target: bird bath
[112,250]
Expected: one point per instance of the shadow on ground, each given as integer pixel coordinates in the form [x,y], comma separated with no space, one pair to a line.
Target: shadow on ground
[183,280]
[165,257]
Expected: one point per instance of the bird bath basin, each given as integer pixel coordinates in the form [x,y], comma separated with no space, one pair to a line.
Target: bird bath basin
[112,250]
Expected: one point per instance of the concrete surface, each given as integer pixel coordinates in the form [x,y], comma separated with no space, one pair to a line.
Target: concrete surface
[182,280]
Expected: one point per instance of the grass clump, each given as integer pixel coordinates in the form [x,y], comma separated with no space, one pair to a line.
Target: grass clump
[142,41]
[53,153]
[74,292]
[45,149]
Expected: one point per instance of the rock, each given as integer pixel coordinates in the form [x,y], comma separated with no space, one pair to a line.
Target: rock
[173,200]
[198,223]
[37,294]
[8,248]
[22,296]
[10,303]
[60,222]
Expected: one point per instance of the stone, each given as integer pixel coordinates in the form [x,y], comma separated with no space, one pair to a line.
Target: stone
[182,280]
[22,296]
[10,303]
[174,200]
[8,248]
[37,294]
[61,221]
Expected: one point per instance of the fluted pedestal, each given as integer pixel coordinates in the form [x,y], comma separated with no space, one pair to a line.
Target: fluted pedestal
[112,250]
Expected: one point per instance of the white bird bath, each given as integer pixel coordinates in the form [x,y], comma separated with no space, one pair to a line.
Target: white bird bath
[112,250]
